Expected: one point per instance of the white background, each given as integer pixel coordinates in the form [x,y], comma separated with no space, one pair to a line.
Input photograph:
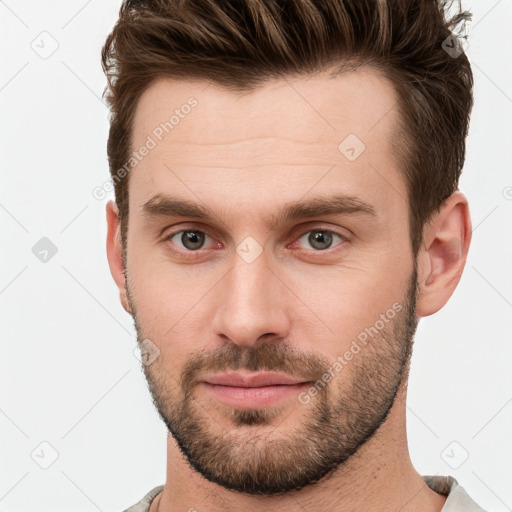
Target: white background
[68,374]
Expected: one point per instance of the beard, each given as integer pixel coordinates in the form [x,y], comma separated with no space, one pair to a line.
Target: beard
[255,457]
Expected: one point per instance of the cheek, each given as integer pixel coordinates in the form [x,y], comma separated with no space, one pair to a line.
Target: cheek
[159,284]
[343,303]
[168,303]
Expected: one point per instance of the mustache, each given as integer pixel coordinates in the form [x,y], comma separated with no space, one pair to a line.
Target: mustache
[267,356]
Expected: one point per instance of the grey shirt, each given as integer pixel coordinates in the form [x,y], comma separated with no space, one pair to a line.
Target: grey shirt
[458,499]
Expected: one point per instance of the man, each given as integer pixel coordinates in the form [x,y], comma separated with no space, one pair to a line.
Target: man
[286,210]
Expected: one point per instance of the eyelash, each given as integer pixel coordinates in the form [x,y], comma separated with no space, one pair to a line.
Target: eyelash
[198,253]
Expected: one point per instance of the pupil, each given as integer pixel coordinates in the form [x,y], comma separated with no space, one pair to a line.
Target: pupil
[320,237]
[192,239]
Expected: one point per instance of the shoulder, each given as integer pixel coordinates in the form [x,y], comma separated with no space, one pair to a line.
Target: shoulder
[458,500]
[144,504]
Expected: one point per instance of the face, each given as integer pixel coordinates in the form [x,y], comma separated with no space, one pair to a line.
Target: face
[261,238]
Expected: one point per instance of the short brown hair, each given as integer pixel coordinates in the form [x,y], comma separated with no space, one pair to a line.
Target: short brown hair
[241,43]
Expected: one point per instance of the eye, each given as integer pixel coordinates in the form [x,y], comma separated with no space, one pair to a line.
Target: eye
[321,239]
[190,239]
[194,240]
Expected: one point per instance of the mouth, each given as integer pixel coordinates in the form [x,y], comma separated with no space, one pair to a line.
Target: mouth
[253,390]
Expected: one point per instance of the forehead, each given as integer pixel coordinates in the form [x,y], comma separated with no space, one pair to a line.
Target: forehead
[285,133]
[356,101]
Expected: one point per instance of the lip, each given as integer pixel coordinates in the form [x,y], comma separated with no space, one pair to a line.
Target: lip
[256,390]
[252,380]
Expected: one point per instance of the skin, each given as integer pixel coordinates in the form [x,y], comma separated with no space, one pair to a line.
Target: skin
[296,307]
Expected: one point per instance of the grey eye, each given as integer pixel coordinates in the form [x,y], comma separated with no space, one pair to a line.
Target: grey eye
[192,240]
[320,239]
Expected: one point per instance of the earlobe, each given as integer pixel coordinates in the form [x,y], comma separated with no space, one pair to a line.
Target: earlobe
[442,258]
[114,253]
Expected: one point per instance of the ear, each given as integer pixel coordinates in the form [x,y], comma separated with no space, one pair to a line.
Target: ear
[114,253]
[441,260]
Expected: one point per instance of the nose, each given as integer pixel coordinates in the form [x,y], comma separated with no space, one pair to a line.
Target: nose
[251,303]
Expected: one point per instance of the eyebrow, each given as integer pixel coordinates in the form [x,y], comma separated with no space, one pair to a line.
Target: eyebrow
[163,206]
